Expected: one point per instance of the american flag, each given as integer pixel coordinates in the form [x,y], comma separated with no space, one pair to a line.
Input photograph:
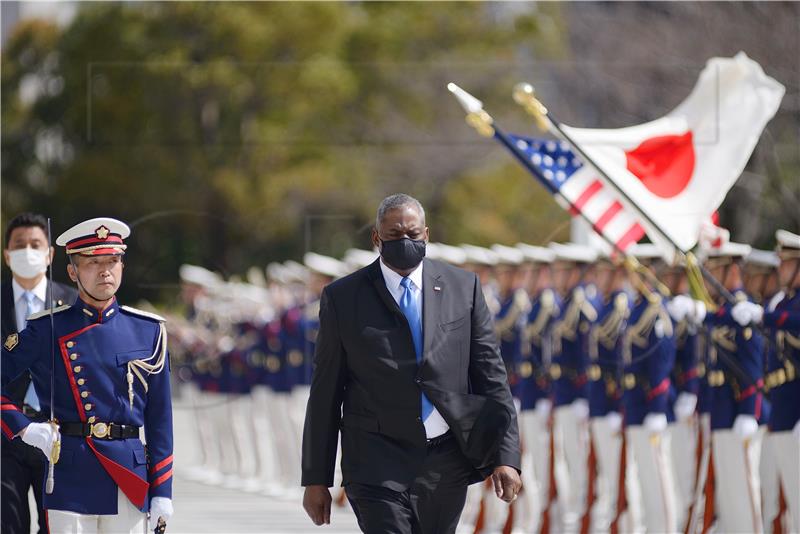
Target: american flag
[561,170]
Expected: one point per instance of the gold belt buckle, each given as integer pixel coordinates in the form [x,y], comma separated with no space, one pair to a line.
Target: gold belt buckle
[100,430]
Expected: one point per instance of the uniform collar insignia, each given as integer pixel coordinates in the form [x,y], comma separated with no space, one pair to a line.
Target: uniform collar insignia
[11,341]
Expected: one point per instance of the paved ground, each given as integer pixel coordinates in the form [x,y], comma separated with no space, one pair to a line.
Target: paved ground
[201,508]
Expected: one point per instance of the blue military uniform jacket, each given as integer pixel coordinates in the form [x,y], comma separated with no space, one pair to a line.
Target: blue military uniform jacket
[533,371]
[648,358]
[508,323]
[605,355]
[782,379]
[92,351]
[735,367]
[570,344]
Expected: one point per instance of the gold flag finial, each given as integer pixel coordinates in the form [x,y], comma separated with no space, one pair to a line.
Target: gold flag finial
[476,115]
[525,96]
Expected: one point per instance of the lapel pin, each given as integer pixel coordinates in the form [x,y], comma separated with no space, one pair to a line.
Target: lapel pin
[437,288]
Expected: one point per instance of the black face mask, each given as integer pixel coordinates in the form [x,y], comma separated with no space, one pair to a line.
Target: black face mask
[403,253]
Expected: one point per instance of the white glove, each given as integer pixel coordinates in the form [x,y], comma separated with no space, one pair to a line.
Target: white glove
[159,507]
[698,315]
[656,423]
[745,426]
[746,313]
[614,421]
[685,405]
[42,436]
[679,307]
[580,407]
[543,407]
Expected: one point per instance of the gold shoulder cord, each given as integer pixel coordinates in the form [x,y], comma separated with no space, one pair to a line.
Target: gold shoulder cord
[534,330]
[137,366]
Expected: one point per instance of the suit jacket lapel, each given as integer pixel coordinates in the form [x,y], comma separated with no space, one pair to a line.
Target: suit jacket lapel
[380,286]
[9,316]
[432,287]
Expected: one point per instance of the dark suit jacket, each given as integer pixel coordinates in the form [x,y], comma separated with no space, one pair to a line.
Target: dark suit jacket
[367,382]
[62,294]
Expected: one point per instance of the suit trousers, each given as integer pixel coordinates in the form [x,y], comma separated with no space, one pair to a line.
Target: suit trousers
[431,505]
[22,467]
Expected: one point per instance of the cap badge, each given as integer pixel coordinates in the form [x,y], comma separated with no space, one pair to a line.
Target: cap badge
[102,232]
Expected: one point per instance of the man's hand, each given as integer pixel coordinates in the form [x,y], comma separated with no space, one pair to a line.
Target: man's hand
[317,503]
[40,435]
[506,483]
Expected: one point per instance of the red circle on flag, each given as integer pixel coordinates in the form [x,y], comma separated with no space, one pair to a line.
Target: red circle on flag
[664,164]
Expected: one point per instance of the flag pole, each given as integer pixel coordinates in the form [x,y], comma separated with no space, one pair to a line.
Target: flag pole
[524,95]
[479,119]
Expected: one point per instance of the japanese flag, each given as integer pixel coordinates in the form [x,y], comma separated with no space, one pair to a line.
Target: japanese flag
[676,170]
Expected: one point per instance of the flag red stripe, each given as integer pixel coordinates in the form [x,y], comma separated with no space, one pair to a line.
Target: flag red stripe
[607,215]
[633,235]
[9,407]
[587,194]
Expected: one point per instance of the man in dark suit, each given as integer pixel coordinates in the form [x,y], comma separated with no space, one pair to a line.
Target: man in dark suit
[27,253]
[407,365]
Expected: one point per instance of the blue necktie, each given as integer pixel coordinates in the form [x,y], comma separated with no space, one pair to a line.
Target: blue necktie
[415,323]
[30,394]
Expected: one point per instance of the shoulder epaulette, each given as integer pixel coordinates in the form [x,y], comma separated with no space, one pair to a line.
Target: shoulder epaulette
[142,313]
[45,313]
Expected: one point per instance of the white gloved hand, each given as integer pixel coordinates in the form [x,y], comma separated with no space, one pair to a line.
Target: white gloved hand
[614,421]
[698,315]
[745,426]
[685,405]
[580,407]
[42,436]
[679,307]
[159,507]
[656,423]
[543,407]
[746,313]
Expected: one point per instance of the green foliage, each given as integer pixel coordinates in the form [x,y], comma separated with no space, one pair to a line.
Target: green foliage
[233,134]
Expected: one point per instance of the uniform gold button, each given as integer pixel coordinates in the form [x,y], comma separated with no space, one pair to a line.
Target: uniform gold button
[73,357]
[77,368]
[85,394]
[92,419]
[81,381]
[70,344]
[87,406]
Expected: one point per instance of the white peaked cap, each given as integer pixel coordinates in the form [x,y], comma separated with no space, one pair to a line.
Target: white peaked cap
[508,255]
[787,239]
[573,252]
[730,250]
[324,265]
[194,274]
[357,258]
[479,255]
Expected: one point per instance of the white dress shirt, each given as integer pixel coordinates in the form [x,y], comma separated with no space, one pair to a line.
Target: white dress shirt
[435,424]
[21,305]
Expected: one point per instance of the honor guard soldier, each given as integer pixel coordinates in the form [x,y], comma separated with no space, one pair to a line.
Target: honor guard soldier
[534,388]
[568,378]
[110,379]
[735,376]
[514,307]
[783,383]
[604,389]
[761,275]
[648,358]
[685,440]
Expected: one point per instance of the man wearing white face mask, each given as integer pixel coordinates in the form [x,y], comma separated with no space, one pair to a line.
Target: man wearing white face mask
[27,253]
